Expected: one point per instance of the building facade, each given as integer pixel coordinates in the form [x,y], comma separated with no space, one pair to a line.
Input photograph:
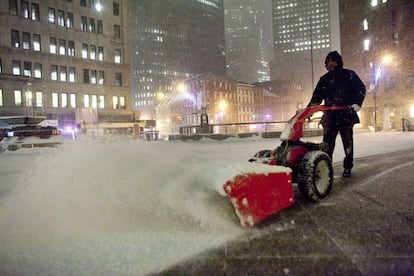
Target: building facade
[220,102]
[249,41]
[172,40]
[378,42]
[65,60]
[304,31]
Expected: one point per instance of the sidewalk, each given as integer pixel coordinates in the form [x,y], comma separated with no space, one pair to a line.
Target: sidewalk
[365,227]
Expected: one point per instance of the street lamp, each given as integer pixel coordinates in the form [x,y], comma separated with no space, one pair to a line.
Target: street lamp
[181,87]
[222,106]
[385,60]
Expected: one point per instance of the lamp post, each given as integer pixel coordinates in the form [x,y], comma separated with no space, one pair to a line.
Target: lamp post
[385,60]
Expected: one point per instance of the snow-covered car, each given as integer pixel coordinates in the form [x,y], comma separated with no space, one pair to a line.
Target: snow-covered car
[26,131]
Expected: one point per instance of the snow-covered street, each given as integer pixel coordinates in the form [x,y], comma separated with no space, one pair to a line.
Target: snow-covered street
[127,207]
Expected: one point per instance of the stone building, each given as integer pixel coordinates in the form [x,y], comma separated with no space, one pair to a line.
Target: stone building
[66,60]
[230,106]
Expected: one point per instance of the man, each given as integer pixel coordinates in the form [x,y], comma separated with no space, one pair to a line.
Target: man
[339,87]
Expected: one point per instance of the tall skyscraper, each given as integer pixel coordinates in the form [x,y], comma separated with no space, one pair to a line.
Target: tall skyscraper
[172,40]
[304,31]
[65,60]
[248,33]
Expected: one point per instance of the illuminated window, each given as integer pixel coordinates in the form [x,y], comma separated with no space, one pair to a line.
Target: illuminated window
[52,45]
[51,15]
[100,53]
[117,56]
[365,24]
[115,102]
[84,23]
[101,101]
[36,42]
[35,12]
[92,27]
[62,47]
[16,67]
[38,70]
[18,98]
[28,98]
[101,78]
[25,9]
[122,102]
[64,99]
[71,48]
[26,41]
[86,101]
[55,99]
[53,72]
[366,44]
[15,39]
[72,100]
[61,18]
[1,97]
[39,99]
[27,69]
[63,73]
[93,77]
[92,52]
[71,74]
[94,101]
[69,20]
[85,49]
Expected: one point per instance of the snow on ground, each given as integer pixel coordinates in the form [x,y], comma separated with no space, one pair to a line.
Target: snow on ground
[117,206]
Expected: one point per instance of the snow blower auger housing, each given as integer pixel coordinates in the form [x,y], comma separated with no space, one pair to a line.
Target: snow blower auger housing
[256,196]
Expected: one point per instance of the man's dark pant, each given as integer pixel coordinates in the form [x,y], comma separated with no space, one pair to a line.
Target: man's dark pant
[346,132]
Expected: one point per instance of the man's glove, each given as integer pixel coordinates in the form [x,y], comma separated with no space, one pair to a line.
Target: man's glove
[355,107]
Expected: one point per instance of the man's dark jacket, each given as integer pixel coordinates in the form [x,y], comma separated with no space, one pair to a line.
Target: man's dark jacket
[341,87]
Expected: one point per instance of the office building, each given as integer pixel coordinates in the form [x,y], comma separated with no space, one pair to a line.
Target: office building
[249,42]
[304,31]
[172,40]
[66,60]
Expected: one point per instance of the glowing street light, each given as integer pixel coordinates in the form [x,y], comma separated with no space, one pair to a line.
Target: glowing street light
[160,96]
[181,87]
[387,59]
[223,105]
[98,7]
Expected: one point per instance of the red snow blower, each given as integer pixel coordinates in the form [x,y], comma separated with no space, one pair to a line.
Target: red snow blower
[256,196]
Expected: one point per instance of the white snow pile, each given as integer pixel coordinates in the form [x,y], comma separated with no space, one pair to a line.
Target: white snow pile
[128,207]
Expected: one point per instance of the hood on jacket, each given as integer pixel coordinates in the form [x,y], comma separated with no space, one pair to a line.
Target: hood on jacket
[334,56]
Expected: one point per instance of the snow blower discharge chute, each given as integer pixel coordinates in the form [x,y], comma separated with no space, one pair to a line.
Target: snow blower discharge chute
[256,196]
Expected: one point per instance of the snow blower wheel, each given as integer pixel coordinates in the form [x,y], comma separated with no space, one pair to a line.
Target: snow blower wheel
[315,175]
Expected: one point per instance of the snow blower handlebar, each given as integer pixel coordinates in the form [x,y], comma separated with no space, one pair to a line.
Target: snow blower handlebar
[294,128]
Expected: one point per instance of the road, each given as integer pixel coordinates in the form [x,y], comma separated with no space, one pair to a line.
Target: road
[365,227]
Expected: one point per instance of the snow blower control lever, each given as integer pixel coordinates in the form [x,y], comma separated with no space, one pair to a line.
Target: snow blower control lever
[256,196]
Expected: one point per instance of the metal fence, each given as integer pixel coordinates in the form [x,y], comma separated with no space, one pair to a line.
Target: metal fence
[251,127]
